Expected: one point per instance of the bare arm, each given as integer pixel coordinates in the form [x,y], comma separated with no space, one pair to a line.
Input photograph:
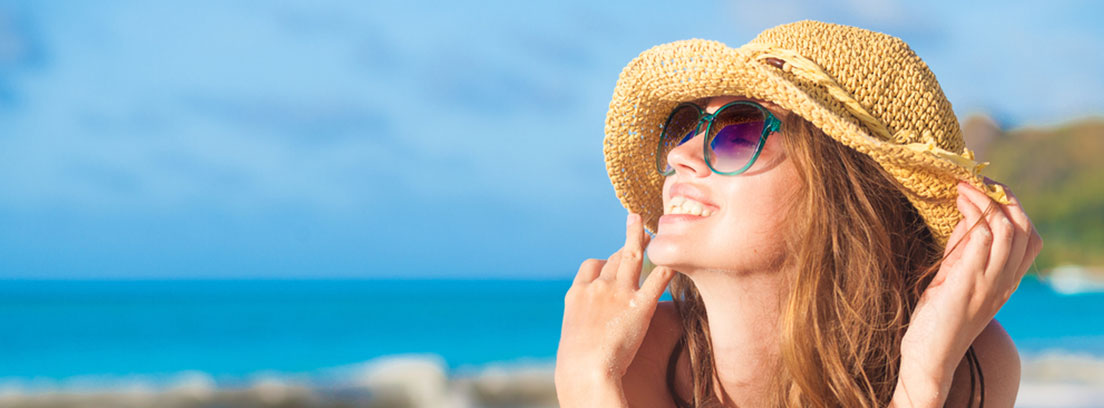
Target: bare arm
[1000,369]
[982,268]
[598,391]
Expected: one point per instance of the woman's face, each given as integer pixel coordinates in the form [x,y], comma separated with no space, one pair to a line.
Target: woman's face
[745,231]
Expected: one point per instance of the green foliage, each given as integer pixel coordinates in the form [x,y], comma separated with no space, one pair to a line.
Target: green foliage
[1058,175]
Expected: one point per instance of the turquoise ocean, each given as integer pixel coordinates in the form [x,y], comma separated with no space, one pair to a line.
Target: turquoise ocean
[230,330]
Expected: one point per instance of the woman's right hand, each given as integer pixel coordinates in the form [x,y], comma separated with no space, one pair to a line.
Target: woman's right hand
[606,314]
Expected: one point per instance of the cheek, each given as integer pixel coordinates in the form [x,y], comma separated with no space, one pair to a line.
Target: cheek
[758,224]
[768,211]
[755,227]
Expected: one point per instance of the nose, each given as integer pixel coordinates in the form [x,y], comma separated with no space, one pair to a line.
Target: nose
[687,157]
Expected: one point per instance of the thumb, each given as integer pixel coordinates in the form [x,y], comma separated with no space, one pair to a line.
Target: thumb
[656,282]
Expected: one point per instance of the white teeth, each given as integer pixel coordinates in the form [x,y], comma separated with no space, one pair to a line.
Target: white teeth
[683,205]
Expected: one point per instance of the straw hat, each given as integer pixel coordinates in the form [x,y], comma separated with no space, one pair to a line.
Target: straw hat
[867,90]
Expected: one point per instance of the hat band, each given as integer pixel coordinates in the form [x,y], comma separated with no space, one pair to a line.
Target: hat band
[807,69]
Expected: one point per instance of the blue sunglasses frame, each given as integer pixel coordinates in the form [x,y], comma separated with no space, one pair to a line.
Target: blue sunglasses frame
[771,124]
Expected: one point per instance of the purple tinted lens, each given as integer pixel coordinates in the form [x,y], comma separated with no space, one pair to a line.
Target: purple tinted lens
[685,138]
[734,145]
[679,129]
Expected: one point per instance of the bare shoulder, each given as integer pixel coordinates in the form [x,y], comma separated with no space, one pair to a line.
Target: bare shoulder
[645,382]
[1000,368]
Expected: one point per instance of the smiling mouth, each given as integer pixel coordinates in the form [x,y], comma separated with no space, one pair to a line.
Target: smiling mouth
[683,205]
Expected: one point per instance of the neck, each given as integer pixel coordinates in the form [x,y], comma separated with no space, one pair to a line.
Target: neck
[743,312]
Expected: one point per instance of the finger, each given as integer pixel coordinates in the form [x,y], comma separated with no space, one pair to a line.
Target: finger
[1014,265]
[1014,209]
[959,232]
[952,254]
[1032,242]
[1034,246]
[974,253]
[656,283]
[1020,246]
[609,270]
[1003,236]
[632,254]
[1003,258]
[589,270]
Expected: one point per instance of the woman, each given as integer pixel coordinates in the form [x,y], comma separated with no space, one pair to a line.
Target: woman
[826,235]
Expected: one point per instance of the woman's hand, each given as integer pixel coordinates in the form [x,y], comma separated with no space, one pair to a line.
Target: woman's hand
[606,314]
[982,266]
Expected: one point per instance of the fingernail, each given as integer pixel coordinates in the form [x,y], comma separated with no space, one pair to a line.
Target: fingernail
[630,220]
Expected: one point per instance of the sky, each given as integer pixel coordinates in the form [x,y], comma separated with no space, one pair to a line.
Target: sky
[352,139]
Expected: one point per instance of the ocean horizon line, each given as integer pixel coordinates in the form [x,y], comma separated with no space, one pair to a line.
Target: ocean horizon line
[285,278]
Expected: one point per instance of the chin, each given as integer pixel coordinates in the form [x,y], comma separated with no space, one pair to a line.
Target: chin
[666,251]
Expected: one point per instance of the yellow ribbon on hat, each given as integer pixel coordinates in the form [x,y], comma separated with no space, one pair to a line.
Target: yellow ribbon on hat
[807,69]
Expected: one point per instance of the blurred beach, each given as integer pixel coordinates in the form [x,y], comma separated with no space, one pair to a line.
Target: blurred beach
[386,343]
[393,381]
[1052,380]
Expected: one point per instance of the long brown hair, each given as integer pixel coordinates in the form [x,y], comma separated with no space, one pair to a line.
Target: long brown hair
[860,255]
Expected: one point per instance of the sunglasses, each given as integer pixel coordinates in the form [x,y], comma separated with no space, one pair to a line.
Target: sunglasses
[734,135]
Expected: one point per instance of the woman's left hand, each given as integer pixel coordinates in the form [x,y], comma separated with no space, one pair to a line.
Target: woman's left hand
[981,269]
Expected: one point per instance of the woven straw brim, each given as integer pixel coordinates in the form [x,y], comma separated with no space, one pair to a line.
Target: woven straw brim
[661,77]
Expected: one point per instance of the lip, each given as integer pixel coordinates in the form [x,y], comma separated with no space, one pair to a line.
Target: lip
[692,192]
[678,218]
